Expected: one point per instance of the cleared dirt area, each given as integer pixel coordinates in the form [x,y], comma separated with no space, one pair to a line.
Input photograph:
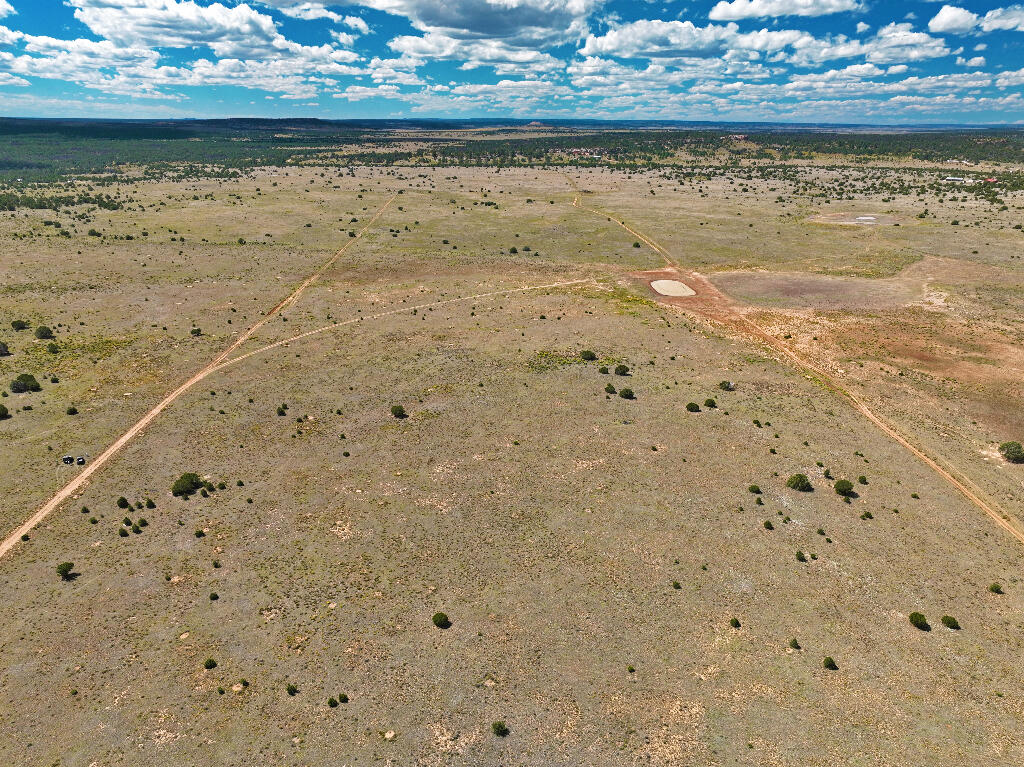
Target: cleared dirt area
[855,219]
[797,290]
[675,288]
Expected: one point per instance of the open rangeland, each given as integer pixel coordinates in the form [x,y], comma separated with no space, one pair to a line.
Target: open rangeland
[477,392]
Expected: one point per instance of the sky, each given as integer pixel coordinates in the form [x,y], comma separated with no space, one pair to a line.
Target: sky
[833,61]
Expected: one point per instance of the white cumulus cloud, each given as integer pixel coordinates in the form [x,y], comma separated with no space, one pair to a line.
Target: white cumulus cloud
[747,9]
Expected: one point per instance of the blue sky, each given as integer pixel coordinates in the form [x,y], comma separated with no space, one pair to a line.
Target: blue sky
[766,60]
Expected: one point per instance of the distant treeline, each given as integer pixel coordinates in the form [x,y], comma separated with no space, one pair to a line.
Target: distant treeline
[45,151]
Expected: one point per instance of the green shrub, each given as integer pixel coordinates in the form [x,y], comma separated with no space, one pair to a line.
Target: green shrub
[52,348]
[950,622]
[499,729]
[332,703]
[995,588]
[1012,452]
[799,482]
[726,385]
[24,383]
[844,487]
[692,407]
[862,480]
[291,689]
[734,622]
[214,596]
[588,355]
[4,412]
[793,644]
[19,324]
[150,504]
[621,370]
[800,556]
[64,570]
[43,333]
[603,370]
[768,525]
[343,698]
[626,393]
[186,484]
[918,621]
[829,664]
[72,410]
[122,532]
[210,664]
[710,403]
[754,489]
[398,411]
[609,388]
[122,503]
[441,621]
[4,350]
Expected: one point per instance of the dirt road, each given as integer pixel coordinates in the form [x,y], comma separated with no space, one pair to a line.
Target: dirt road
[714,305]
[97,463]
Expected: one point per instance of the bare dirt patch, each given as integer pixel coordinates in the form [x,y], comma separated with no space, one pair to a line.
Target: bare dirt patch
[855,219]
[675,288]
[798,290]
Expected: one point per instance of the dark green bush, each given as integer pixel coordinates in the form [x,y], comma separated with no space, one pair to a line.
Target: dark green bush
[768,525]
[122,503]
[210,663]
[72,410]
[398,411]
[710,403]
[799,482]
[64,570]
[844,487]
[291,689]
[52,348]
[726,386]
[795,645]
[1012,452]
[332,703]
[734,622]
[4,350]
[950,622]
[754,489]
[19,324]
[918,621]
[801,557]
[24,383]
[862,480]
[609,388]
[588,355]
[499,729]
[995,588]
[186,484]
[621,370]
[43,333]
[829,664]
[4,412]
[441,621]
[692,407]
[626,393]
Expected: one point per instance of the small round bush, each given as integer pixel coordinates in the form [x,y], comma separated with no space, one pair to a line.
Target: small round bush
[64,570]
[343,698]
[768,525]
[4,412]
[441,621]
[793,644]
[692,407]
[609,389]
[1012,452]
[210,664]
[214,596]
[122,532]
[754,489]
[844,487]
[122,503]
[621,370]
[995,588]
[332,703]
[398,411]
[950,622]
[43,333]
[918,621]
[588,355]
[801,557]
[291,689]
[734,622]
[710,403]
[186,484]
[626,393]
[499,729]
[829,664]
[726,386]
[862,480]
[72,410]
[799,482]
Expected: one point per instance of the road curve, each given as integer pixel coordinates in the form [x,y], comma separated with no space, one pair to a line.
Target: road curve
[97,463]
[748,327]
